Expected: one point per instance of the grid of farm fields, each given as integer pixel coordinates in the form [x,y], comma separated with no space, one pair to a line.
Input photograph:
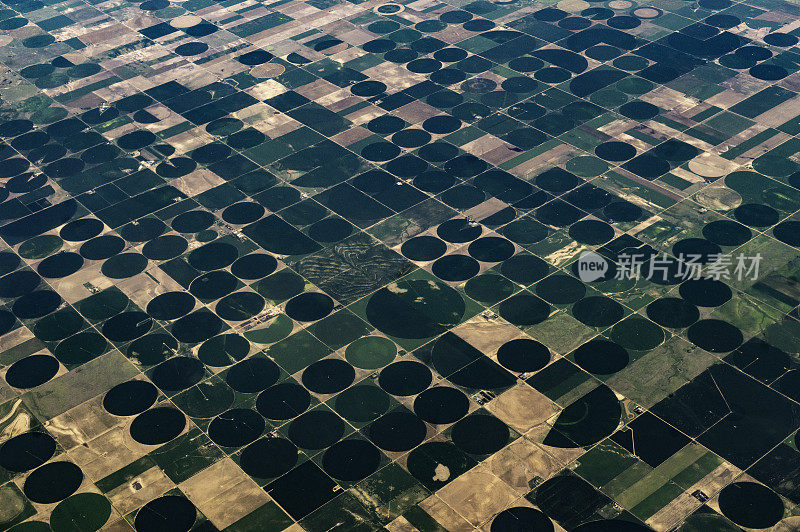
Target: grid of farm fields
[433,265]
